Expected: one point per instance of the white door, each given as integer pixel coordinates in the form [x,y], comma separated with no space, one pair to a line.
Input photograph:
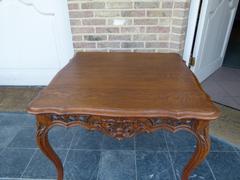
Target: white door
[215,25]
[35,40]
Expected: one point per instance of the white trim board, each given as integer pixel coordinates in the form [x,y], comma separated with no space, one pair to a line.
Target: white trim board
[191,28]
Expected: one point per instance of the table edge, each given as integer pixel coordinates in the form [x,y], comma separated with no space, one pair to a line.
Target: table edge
[120,113]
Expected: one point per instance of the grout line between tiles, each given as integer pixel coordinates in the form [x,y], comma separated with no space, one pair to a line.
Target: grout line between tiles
[134,148]
[21,128]
[237,152]
[170,157]
[68,149]
[210,169]
[100,159]
[21,148]
[35,151]
[97,168]
[101,153]
[99,164]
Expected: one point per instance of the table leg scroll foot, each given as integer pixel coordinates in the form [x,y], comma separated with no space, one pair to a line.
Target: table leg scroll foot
[201,151]
[45,147]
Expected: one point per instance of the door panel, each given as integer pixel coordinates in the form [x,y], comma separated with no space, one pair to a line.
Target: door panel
[214,30]
[32,48]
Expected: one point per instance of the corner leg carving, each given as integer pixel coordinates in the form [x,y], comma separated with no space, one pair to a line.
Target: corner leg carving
[202,149]
[45,147]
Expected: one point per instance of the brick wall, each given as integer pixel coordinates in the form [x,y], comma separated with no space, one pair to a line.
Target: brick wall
[129,25]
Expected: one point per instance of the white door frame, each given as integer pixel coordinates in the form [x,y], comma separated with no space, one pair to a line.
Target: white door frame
[191,31]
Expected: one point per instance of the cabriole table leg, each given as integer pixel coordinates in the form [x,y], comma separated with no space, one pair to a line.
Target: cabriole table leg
[203,146]
[45,147]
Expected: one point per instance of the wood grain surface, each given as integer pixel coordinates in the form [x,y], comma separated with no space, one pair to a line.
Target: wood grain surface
[126,85]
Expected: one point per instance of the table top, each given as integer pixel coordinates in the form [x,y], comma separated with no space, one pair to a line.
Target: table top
[126,85]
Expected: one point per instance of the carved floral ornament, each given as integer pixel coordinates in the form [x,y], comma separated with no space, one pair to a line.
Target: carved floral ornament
[120,127]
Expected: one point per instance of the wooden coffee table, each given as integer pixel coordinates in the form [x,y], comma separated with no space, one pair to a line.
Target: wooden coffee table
[123,94]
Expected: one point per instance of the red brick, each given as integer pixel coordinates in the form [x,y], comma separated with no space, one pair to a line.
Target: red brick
[133,29]
[80,14]
[95,37]
[77,38]
[93,21]
[157,45]
[167,4]
[145,37]
[133,13]
[107,30]
[119,5]
[73,6]
[107,13]
[132,44]
[75,22]
[119,37]
[158,29]
[153,4]
[93,5]
[145,21]
[76,30]
[84,45]
[159,13]
[108,45]
[181,5]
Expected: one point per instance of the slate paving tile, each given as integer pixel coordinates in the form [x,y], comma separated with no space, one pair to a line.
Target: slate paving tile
[25,138]
[237,151]
[225,165]
[7,134]
[218,145]
[85,139]
[117,165]
[153,166]
[14,161]
[151,141]
[30,121]
[17,119]
[98,157]
[82,164]
[110,143]
[180,159]
[181,141]
[41,167]
[61,137]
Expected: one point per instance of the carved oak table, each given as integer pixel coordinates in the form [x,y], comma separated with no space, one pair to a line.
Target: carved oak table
[122,94]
